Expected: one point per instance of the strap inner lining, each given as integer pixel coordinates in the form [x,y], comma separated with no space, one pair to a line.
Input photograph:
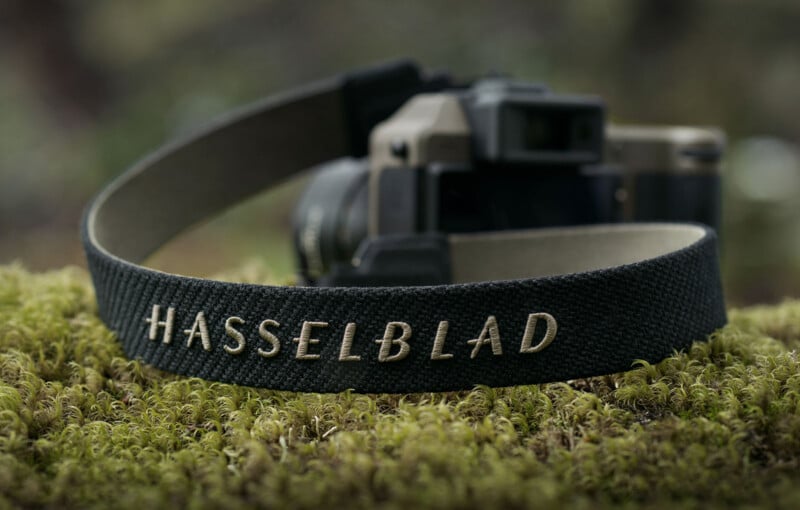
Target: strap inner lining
[555,251]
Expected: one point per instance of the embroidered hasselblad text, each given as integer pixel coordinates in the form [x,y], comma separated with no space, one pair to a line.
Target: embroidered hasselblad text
[232,336]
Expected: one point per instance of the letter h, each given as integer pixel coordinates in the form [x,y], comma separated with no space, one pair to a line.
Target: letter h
[155,323]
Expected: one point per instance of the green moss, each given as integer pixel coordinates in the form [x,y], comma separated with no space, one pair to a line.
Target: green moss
[81,427]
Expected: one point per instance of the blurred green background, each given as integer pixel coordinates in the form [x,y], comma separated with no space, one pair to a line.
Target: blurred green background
[86,87]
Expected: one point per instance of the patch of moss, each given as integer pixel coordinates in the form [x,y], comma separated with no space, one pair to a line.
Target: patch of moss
[83,427]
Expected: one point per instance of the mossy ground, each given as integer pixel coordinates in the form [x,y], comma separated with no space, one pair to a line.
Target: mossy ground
[81,427]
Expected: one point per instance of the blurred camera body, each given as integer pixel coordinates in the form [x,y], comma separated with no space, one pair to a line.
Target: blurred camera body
[499,155]
[669,173]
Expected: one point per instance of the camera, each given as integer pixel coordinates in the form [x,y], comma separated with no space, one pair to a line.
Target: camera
[498,155]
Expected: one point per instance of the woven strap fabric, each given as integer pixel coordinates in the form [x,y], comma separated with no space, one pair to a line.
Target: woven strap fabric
[595,299]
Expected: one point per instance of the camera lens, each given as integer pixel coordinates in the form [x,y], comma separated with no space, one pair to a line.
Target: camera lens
[330,219]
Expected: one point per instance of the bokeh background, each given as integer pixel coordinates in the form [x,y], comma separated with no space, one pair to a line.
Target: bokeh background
[86,87]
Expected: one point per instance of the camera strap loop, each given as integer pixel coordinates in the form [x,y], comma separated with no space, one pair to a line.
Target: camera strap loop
[560,303]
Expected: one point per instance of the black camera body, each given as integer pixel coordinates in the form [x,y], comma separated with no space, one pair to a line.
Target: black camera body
[499,155]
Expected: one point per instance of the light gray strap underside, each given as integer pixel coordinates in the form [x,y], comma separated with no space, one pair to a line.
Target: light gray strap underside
[554,251]
[238,156]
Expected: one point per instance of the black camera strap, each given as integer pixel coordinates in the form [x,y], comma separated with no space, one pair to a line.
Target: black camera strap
[559,304]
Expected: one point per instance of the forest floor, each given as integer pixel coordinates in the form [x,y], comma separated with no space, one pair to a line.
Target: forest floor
[81,426]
